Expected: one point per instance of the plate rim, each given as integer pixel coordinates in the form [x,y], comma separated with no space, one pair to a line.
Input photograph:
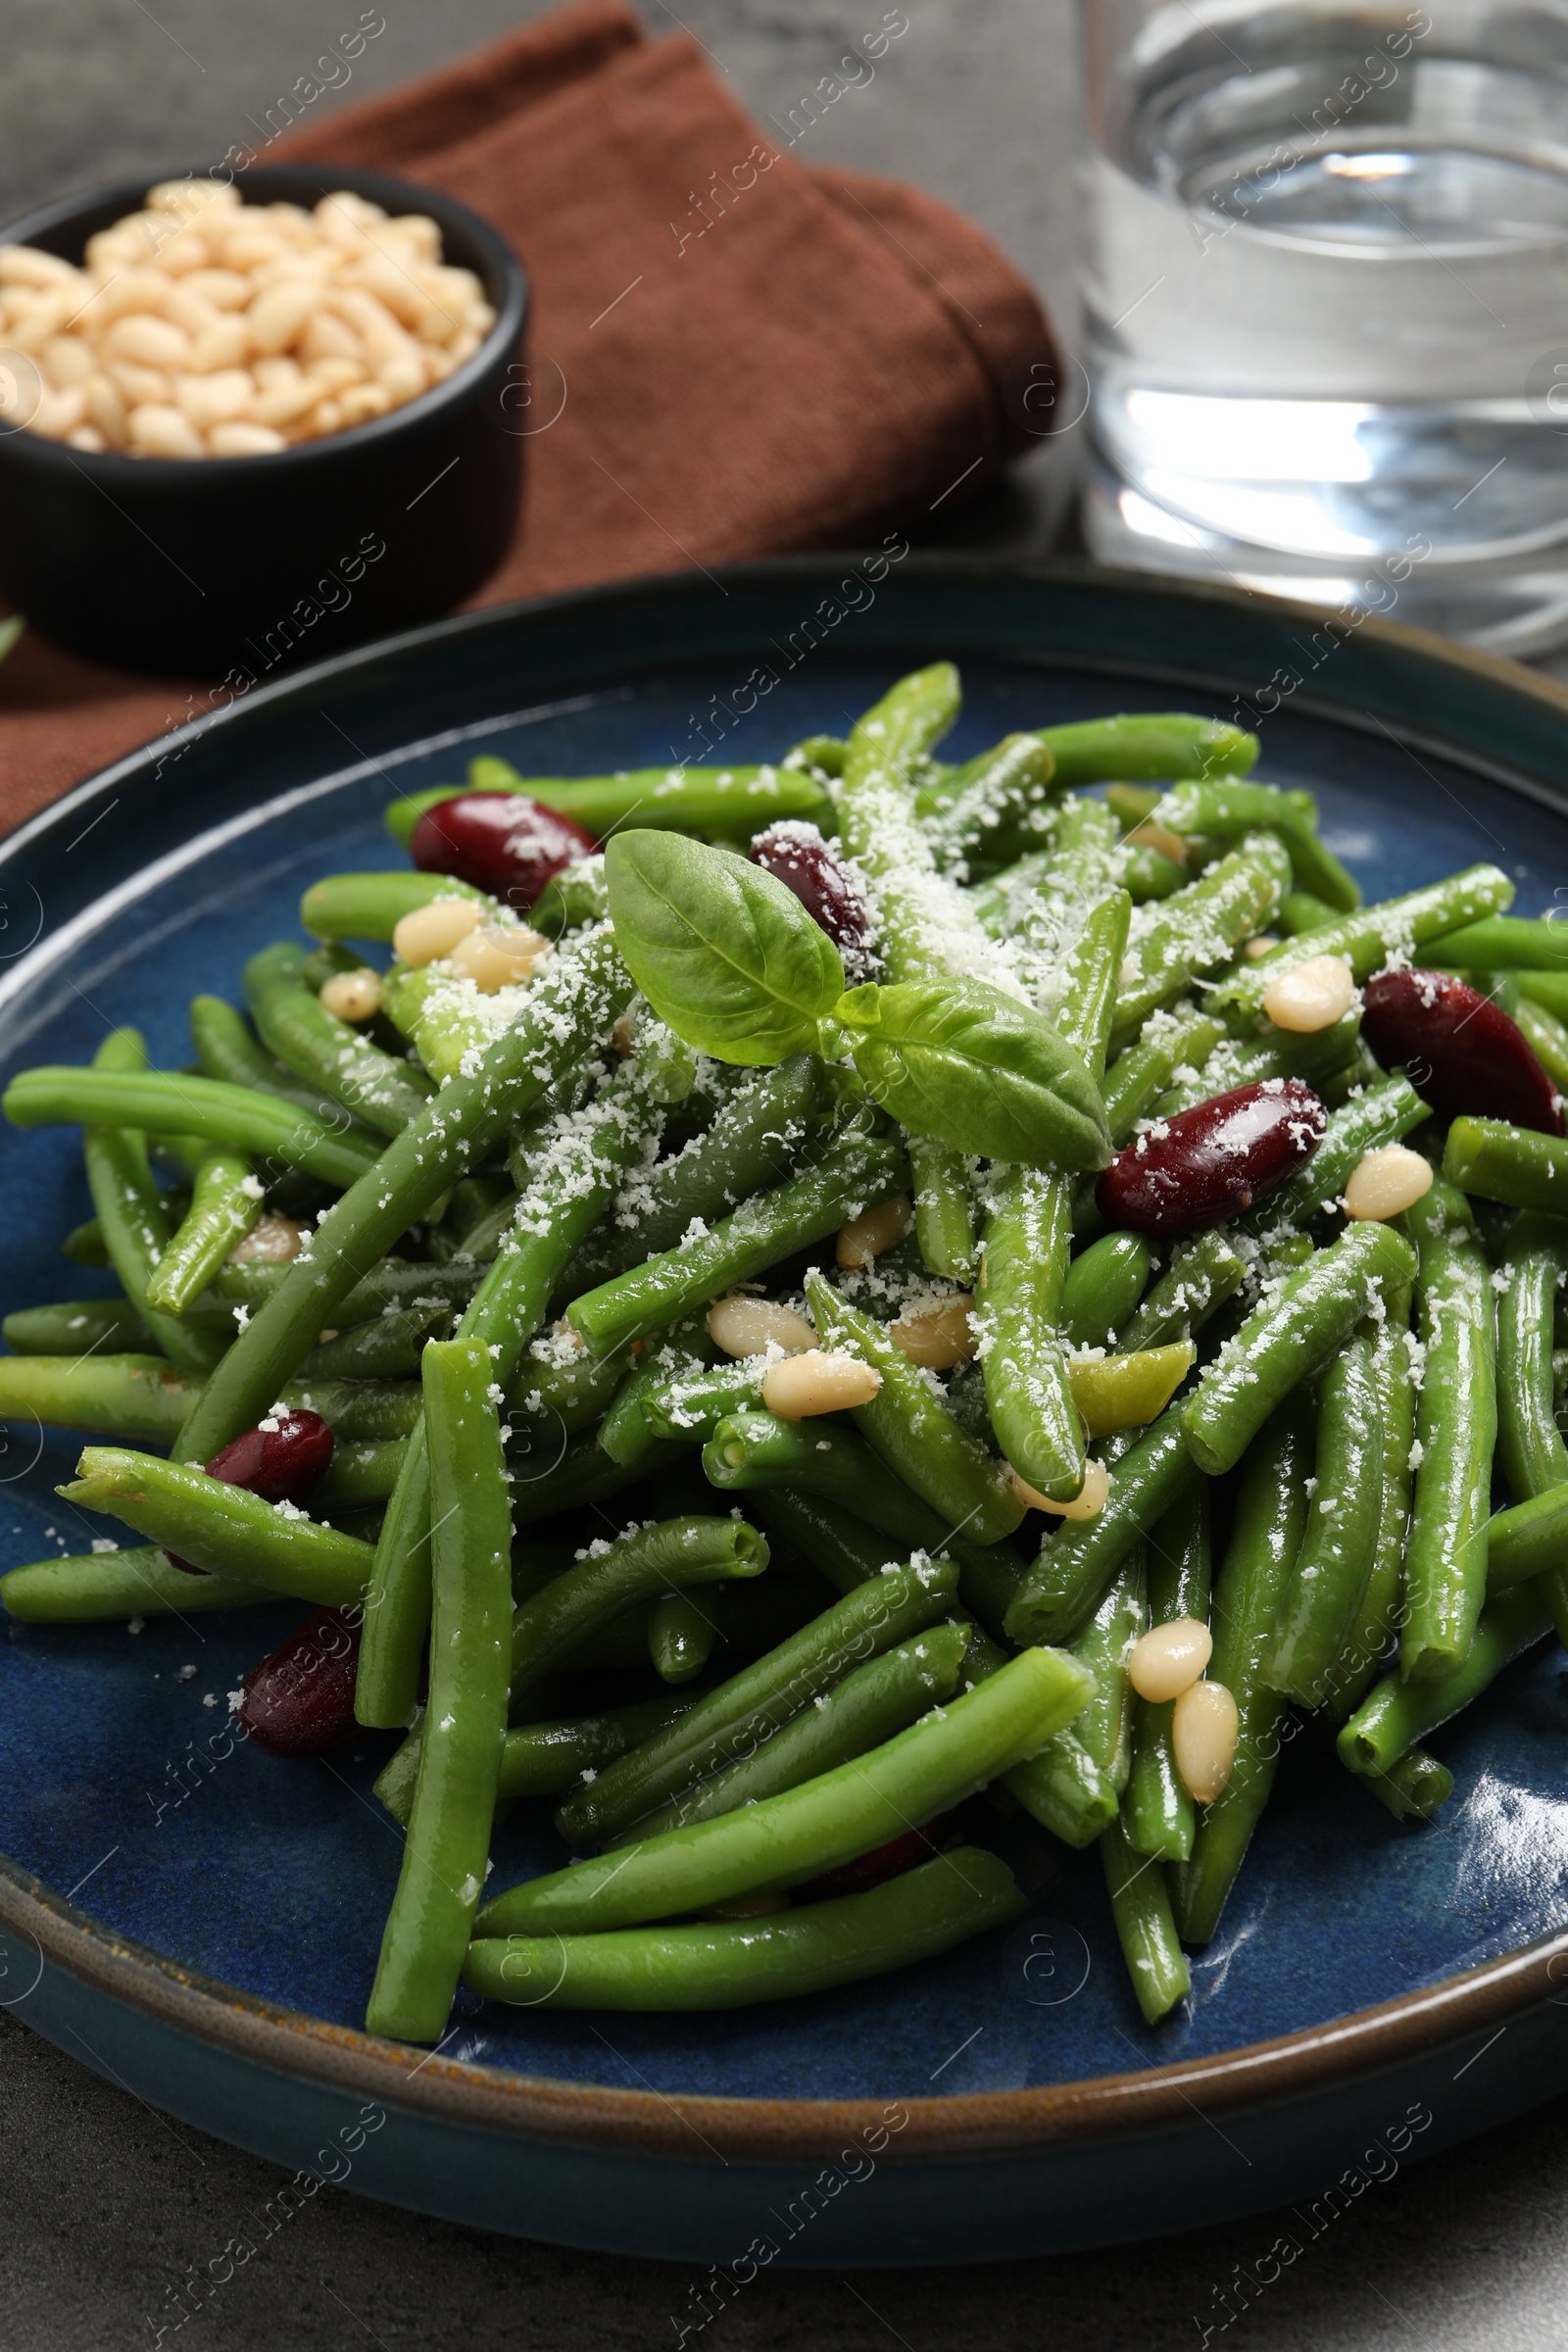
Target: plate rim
[1130,2104]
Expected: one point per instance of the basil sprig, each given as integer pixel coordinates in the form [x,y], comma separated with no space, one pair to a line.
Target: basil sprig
[721,949]
[733,963]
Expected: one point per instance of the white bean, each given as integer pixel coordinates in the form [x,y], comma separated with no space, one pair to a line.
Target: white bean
[1168,1657]
[1312,996]
[742,1326]
[815,1383]
[1204,1729]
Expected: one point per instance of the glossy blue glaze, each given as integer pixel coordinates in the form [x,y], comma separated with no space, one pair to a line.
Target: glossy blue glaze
[118,1783]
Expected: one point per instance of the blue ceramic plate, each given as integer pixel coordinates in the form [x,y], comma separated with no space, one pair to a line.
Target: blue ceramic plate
[201,1922]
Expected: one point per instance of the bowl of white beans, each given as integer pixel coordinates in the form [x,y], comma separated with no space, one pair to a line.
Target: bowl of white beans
[246,423]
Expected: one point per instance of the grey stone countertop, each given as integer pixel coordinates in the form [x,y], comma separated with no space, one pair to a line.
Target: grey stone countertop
[103,2202]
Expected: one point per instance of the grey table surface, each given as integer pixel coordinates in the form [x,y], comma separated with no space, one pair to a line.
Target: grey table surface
[102,2201]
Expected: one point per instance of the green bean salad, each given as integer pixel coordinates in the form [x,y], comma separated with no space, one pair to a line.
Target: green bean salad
[803,1313]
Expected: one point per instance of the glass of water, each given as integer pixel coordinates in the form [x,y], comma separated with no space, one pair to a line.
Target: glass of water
[1327,303]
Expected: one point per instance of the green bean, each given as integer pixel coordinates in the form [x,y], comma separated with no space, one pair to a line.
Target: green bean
[638,1566]
[575,897]
[77,1327]
[866,1708]
[167,1100]
[361,1472]
[837,1544]
[1314,1055]
[1101,1648]
[388,1348]
[1027,1239]
[943,1208]
[131,1215]
[730,1723]
[728,800]
[1227,807]
[753,1145]
[691,1404]
[1366,937]
[228,1052]
[445,1854]
[912,1430]
[1156,1810]
[1547,990]
[680,1638]
[1174,744]
[1270,1516]
[142,1396]
[1386,1111]
[580,1474]
[1150,874]
[1063,1787]
[392,1283]
[1115,1393]
[1289,1337]
[1146,1924]
[1503,942]
[226,1202]
[223,1528]
[295,1025]
[805,1831]
[1374,1625]
[1530,1451]
[1333,1565]
[372,906]
[1075,1565]
[371,1410]
[722,1964]
[1201,926]
[999,905]
[540,1760]
[976,814]
[1170,1042]
[84,1244]
[1202,1274]
[578,995]
[1545,1036]
[1302,912]
[1508,1164]
[1415,1788]
[99,1585]
[1080,870]
[627,1432]
[1456,1428]
[856,1169]
[1398,1712]
[1103,1287]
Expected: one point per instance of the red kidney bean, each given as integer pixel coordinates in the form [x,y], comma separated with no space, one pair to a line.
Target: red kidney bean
[794,854]
[499,841]
[1460,1051]
[283,1459]
[300,1701]
[1216,1160]
[890,1861]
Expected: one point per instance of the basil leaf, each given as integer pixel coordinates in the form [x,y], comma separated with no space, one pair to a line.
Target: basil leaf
[957,1059]
[722,952]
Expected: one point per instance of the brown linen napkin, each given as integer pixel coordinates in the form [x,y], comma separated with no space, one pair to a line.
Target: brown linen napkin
[747,355]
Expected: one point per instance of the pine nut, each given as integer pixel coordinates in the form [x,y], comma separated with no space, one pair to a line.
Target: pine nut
[1086,1503]
[1170,1657]
[816,1382]
[1312,996]
[433,931]
[201,283]
[242,440]
[1151,836]
[497,955]
[1261,944]
[159,430]
[1202,1734]
[874,1230]
[940,1337]
[215,399]
[1386,1182]
[271,1241]
[351,996]
[742,1326]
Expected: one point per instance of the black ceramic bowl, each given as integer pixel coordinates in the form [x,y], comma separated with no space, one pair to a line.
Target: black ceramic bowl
[211,565]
